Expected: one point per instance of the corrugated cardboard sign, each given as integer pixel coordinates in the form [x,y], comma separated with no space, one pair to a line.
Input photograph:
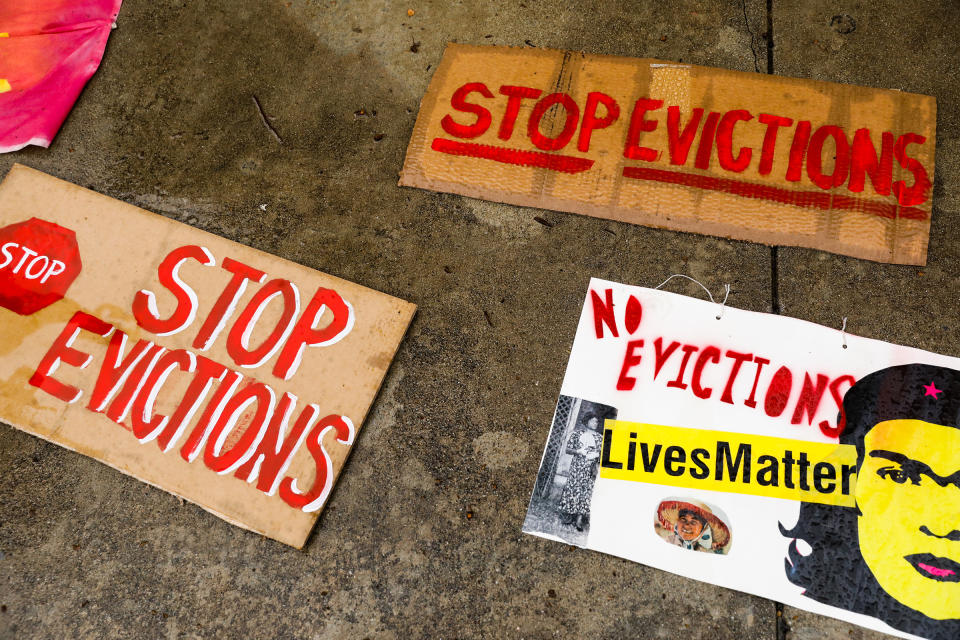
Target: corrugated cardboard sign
[222,374]
[760,453]
[741,155]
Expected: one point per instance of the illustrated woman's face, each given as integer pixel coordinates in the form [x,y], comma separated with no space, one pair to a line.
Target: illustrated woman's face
[689,527]
[908,492]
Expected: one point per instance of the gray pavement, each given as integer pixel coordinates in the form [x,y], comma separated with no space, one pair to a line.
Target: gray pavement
[422,535]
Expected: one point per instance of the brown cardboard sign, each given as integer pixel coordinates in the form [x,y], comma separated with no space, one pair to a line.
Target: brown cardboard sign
[227,376]
[742,155]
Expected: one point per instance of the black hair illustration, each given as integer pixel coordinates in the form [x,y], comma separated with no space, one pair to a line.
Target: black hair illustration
[587,417]
[835,572]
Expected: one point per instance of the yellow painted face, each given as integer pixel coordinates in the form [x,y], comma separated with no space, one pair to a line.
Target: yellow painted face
[908,492]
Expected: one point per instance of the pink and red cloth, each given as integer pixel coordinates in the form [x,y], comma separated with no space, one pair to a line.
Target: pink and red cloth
[48,51]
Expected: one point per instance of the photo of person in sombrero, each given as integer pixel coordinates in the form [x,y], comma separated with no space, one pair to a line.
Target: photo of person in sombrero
[896,555]
[692,525]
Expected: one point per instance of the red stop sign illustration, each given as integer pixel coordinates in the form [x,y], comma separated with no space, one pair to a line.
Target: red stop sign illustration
[39,260]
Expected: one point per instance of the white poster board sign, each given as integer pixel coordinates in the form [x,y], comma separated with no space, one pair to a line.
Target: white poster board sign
[760,453]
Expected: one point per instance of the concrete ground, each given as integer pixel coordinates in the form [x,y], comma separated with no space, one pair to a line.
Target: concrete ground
[422,535]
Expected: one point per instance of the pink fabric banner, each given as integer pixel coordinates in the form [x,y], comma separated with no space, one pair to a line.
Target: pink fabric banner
[48,51]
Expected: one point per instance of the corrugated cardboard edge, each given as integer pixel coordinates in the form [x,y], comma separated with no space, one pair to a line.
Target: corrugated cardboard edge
[411,310]
[408,311]
[412,175]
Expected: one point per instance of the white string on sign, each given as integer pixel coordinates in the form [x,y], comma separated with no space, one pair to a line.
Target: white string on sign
[710,295]
[843,332]
[724,303]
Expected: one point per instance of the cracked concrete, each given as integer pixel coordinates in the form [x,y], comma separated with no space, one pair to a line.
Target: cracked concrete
[207,111]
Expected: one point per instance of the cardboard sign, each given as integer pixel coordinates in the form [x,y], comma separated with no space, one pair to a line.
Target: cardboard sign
[741,155]
[222,374]
[760,453]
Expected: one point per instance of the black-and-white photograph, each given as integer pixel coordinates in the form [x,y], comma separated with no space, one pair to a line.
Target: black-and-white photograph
[560,505]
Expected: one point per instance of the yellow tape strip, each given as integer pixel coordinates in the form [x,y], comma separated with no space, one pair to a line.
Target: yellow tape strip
[730,462]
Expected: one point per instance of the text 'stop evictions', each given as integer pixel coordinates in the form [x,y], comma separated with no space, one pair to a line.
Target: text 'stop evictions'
[755,157]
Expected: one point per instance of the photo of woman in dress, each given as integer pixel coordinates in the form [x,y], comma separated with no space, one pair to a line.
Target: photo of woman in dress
[560,504]
[584,444]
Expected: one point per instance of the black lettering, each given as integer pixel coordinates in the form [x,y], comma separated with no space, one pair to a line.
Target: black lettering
[824,471]
[848,471]
[733,466]
[672,456]
[788,469]
[649,464]
[607,442]
[804,471]
[631,454]
[696,457]
[768,475]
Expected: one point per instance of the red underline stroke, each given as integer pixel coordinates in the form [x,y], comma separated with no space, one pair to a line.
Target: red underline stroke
[808,199]
[551,161]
